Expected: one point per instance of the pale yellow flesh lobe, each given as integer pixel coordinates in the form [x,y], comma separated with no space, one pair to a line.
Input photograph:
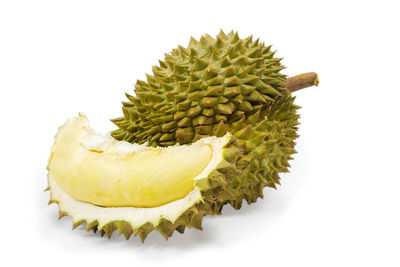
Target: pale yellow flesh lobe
[106,175]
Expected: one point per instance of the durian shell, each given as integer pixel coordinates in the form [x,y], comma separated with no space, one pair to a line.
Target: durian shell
[212,87]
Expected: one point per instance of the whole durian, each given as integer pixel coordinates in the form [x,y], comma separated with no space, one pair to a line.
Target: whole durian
[213,125]
[214,86]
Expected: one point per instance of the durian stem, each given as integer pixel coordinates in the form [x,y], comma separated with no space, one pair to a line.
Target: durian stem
[302,81]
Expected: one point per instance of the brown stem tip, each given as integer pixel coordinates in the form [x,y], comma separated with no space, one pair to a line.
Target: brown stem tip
[302,81]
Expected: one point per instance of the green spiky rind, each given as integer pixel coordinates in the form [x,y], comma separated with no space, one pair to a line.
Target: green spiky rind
[267,147]
[213,189]
[205,89]
[186,100]
[191,218]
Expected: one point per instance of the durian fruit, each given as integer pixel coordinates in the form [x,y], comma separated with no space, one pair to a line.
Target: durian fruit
[114,185]
[212,87]
[213,125]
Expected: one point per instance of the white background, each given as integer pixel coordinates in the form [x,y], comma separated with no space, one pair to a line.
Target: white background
[339,205]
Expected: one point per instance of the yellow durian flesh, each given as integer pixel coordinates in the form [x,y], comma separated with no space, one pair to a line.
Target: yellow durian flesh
[102,171]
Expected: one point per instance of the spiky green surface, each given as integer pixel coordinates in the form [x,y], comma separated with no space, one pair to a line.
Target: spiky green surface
[214,86]
[209,88]
[267,146]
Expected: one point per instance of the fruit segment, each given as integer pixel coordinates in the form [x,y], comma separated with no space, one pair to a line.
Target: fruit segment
[109,173]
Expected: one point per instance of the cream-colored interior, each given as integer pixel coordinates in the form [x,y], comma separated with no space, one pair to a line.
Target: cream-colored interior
[109,173]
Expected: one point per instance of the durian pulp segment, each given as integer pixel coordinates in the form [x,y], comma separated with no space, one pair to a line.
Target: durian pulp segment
[110,173]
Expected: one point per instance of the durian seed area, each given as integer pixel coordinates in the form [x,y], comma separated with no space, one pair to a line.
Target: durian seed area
[109,173]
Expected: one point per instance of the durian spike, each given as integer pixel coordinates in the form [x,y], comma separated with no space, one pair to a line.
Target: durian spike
[302,81]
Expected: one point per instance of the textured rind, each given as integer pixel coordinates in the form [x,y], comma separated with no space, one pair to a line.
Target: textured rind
[209,88]
[191,217]
[214,86]
[266,148]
